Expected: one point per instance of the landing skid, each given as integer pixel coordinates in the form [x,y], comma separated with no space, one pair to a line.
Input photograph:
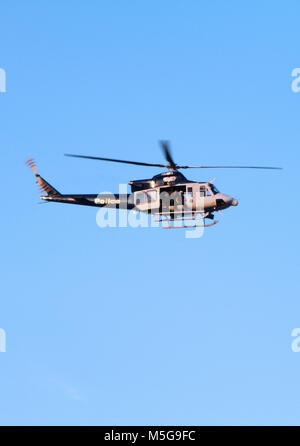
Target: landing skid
[169,217]
[191,226]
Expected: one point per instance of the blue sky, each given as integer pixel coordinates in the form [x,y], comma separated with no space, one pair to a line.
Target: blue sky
[143,326]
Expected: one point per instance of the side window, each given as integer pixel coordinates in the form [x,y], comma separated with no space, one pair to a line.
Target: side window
[202,191]
[208,192]
[140,198]
[151,196]
[189,192]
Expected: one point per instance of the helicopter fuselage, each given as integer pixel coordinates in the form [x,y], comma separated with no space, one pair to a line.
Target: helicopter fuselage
[168,192]
[169,195]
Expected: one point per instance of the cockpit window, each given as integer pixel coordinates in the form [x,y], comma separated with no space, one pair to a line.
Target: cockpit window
[214,189]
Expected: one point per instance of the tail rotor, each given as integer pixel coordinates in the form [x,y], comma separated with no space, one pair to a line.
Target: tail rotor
[43,184]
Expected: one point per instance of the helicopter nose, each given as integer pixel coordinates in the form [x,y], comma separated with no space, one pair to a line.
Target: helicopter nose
[234,202]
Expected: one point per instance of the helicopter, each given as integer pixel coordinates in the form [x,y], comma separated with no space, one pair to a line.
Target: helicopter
[169,196]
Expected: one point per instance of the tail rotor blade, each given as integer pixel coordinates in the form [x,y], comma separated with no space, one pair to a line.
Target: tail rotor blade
[31,164]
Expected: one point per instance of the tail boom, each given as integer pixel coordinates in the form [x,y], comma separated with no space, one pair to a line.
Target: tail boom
[117,201]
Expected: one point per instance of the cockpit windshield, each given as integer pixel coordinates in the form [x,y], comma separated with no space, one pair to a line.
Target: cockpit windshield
[213,189]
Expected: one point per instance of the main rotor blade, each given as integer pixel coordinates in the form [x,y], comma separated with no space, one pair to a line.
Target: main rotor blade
[167,152]
[229,167]
[137,163]
[172,164]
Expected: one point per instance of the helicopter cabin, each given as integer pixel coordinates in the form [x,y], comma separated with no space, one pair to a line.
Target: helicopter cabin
[168,193]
